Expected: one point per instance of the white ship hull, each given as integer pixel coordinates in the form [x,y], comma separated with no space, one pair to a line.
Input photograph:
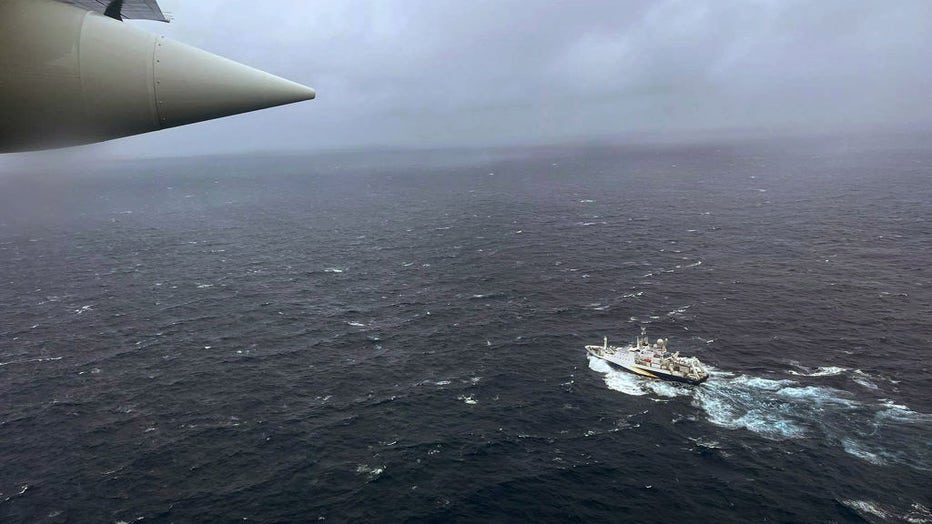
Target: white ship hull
[651,362]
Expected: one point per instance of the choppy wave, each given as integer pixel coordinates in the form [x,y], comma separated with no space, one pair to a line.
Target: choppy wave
[820,372]
[872,511]
[855,375]
[24,361]
[370,472]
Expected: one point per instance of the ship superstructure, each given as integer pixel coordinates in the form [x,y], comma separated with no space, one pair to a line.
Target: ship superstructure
[651,360]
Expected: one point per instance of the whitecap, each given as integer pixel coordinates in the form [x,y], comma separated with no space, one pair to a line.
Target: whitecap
[858,450]
[893,405]
[918,514]
[678,311]
[333,270]
[709,444]
[821,372]
[495,294]
[356,324]
[900,413]
[719,373]
[41,359]
[815,395]
[866,383]
[372,472]
[761,383]
[866,507]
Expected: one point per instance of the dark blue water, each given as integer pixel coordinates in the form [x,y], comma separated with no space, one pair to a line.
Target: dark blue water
[399,337]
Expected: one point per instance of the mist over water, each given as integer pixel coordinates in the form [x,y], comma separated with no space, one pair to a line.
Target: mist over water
[399,336]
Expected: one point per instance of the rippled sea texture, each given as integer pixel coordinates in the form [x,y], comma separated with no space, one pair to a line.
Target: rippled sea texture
[385,337]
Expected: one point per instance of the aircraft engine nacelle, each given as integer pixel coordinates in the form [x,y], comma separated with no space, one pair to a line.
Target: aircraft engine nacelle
[70,76]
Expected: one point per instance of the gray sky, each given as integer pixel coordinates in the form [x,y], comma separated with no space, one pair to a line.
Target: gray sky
[492,72]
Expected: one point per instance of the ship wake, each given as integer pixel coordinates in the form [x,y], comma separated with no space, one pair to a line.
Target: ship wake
[879,432]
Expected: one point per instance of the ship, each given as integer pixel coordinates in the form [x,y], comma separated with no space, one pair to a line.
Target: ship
[651,360]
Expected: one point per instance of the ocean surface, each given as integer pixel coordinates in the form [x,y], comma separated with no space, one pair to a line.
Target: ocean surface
[381,337]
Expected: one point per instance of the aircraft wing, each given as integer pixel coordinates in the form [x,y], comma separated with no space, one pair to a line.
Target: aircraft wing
[135,9]
[69,76]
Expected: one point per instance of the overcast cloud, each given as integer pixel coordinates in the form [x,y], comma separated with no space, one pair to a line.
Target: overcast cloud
[492,72]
